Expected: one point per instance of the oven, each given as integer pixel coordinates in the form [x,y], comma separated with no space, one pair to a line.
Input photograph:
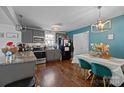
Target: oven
[40,55]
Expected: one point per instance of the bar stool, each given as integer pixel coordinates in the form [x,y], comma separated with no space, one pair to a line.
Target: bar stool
[101,71]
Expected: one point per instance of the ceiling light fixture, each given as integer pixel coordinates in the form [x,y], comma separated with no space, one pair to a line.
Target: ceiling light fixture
[20,26]
[101,25]
[56,27]
[100,22]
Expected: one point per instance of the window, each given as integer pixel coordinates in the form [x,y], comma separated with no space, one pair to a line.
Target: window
[50,39]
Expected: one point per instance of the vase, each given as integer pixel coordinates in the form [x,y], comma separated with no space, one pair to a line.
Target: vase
[14,57]
[8,56]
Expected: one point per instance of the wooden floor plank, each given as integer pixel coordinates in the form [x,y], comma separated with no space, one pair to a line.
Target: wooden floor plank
[60,74]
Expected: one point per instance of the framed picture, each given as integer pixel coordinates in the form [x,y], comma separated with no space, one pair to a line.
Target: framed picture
[1,35]
[11,35]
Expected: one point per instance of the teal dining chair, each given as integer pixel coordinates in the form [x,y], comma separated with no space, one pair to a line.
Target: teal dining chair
[101,71]
[85,66]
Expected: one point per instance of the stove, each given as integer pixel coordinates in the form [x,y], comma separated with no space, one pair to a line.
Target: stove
[40,55]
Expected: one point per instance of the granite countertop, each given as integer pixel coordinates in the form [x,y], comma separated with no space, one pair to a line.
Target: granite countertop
[20,58]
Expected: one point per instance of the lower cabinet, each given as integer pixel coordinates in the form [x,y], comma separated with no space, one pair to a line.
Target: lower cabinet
[53,55]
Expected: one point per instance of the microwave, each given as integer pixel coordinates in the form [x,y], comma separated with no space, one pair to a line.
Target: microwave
[38,39]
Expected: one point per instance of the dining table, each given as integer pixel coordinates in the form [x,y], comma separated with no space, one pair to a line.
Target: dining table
[116,65]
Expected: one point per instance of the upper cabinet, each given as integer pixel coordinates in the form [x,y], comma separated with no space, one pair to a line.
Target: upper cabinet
[38,36]
[38,33]
[27,36]
[33,36]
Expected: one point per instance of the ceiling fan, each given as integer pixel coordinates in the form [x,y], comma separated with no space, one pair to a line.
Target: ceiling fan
[22,26]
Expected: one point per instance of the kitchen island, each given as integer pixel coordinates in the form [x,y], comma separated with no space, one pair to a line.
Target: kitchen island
[53,55]
[21,68]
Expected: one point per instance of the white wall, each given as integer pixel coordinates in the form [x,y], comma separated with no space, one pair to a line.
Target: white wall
[8,28]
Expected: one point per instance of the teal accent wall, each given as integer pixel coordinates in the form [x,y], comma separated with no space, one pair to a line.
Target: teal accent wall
[116,45]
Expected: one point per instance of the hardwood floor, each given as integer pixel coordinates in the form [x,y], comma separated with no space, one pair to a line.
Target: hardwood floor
[60,74]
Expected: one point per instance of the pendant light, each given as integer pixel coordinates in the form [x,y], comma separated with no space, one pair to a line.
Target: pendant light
[100,22]
[101,25]
[21,26]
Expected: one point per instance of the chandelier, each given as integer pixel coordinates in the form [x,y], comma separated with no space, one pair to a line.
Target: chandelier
[100,22]
[101,25]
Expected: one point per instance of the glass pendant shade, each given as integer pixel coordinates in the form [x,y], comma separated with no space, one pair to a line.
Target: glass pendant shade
[100,25]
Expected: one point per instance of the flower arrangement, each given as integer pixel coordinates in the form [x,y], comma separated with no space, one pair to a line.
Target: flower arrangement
[11,48]
[101,50]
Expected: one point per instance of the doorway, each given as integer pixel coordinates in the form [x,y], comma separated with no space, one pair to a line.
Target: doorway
[81,43]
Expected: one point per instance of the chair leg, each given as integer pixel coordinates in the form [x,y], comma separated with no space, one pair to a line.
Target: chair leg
[104,82]
[92,79]
[86,75]
[108,83]
[83,73]
[89,74]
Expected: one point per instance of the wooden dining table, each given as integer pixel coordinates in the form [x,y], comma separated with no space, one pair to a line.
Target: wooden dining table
[116,65]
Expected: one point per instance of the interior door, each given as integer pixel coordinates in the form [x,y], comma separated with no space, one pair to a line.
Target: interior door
[81,43]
